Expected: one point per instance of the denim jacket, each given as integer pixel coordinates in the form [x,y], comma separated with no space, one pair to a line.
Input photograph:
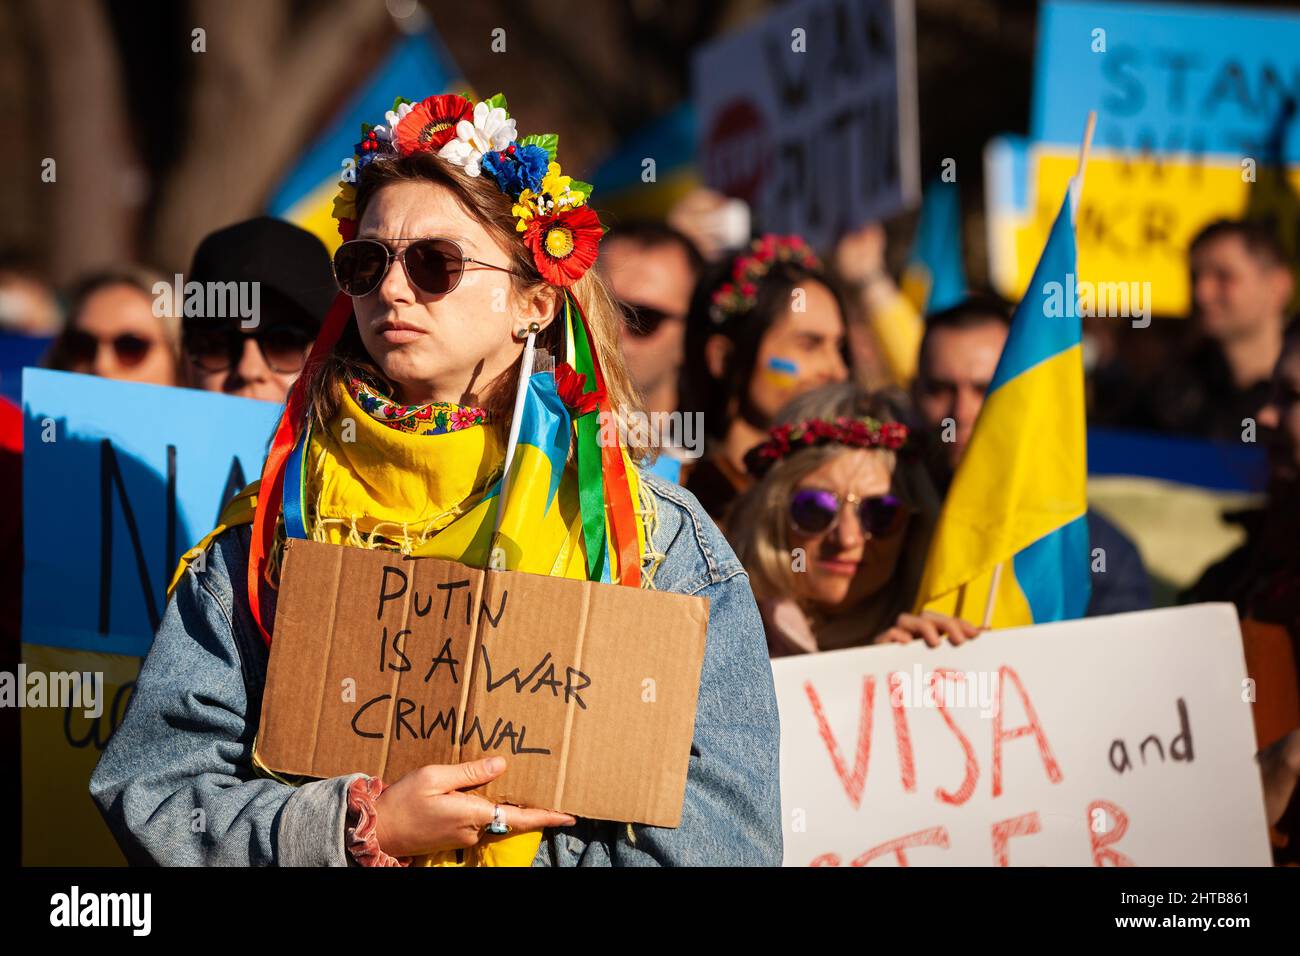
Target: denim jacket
[176,785]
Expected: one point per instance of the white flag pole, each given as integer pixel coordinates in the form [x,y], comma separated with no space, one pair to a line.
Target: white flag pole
[521,392]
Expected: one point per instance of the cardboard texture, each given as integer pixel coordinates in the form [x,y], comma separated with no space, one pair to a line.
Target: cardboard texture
[382,663]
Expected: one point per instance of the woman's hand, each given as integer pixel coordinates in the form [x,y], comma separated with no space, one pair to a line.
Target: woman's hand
[424,812]
[929,626]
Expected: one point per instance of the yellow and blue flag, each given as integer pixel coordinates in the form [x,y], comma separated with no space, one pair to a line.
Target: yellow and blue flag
[1018,498]
[935,275]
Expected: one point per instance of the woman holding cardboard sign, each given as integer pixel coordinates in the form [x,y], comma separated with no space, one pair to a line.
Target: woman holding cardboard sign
[419,426]
[834,532]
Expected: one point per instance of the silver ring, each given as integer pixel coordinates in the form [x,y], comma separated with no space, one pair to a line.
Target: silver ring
[498,824]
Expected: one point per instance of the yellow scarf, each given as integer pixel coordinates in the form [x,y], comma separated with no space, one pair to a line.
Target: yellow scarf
[370,485]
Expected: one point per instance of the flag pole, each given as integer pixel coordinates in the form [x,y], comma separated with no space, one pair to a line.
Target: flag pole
[993,596]
[1084,149]
[525,372]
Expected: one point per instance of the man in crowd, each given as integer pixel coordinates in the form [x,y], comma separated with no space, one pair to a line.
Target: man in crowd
[1241,285]
[959,354]
[651,268]
[259,356]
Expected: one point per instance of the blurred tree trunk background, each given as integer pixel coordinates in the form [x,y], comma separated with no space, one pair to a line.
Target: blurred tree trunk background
[156,143]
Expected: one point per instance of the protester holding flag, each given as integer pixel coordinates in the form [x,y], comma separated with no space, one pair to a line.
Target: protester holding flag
[767,324]
[834,532]
[418,426]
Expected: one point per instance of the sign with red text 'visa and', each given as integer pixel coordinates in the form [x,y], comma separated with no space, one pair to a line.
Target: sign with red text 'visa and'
[1111,741]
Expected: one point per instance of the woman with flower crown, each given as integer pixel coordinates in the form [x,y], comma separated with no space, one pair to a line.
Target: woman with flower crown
[835,528]
[766,324]
[465,274]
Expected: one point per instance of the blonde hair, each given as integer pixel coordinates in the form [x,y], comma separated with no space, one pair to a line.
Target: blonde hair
[481,199]
[758,524]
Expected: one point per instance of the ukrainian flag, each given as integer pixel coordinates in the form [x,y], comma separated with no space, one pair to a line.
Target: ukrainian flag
[1019,496]
[935,275]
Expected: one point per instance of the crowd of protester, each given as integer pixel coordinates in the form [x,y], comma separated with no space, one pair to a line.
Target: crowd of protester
[764,334]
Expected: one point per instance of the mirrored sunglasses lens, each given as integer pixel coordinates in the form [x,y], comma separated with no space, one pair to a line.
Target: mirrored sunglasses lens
[359,266]
[813,511]
[434,265]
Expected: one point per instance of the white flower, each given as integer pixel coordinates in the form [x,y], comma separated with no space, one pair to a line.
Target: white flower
[382,134]
[491,130]
[393,117]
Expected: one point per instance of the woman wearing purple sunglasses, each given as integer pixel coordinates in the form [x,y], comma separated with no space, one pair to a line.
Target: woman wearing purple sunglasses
[835,530]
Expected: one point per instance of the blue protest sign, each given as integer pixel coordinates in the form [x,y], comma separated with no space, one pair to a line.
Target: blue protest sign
[119,480]
[1168,79]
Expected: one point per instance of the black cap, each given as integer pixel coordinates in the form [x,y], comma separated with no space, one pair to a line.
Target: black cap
[291,264]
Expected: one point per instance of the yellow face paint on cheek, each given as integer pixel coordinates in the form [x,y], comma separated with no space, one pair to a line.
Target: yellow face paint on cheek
[780,373]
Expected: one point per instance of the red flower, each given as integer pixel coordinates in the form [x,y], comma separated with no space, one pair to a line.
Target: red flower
[564,246]
[430,124]
[570,384]
[348,229]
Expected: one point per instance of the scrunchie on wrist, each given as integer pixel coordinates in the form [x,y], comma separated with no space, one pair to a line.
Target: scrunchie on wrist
[360,834]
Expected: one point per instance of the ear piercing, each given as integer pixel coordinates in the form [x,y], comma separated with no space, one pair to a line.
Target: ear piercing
[533,329]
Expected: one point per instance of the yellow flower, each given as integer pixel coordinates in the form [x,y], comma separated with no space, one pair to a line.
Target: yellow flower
[524,209]
[345,203]
[553,183]
[556,186]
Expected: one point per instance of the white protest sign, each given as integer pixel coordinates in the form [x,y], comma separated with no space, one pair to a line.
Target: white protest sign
[810,115]
[1121,740]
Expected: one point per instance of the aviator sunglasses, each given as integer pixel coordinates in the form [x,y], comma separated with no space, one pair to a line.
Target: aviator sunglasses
[129,349]
[284,347]
[816,511]
[434,266]
[642,320]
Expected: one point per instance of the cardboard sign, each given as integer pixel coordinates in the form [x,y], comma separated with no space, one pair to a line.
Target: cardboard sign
[1111,741]
[119,479]
[1165,78]
[810,116]
[381,664]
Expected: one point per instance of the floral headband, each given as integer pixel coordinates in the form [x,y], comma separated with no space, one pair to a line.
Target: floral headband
[550,209]
[785,440]
[740,294]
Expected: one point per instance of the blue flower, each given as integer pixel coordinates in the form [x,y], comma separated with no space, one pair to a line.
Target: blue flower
[517,171]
